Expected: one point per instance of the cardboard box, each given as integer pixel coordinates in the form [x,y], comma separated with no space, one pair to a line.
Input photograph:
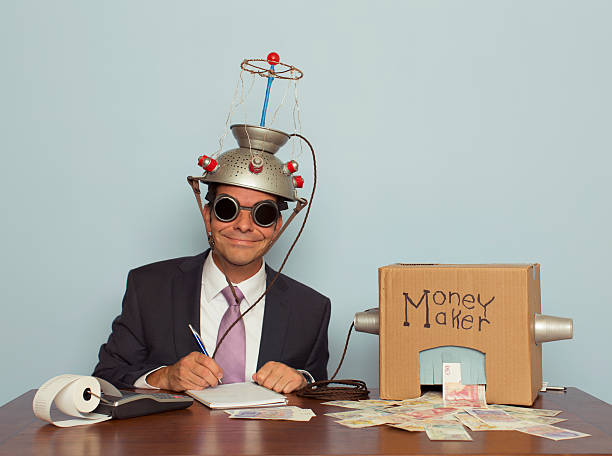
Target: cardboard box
[490,308]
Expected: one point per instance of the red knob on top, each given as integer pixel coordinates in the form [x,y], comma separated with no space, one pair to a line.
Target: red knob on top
[209,164]
[273,58]
[298,181]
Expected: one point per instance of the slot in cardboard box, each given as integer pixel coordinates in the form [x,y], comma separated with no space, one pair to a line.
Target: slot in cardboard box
[489,307]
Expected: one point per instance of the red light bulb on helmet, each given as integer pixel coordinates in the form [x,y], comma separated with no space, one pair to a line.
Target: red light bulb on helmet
[256,164]
[208,163]
[290,167]
[298,181]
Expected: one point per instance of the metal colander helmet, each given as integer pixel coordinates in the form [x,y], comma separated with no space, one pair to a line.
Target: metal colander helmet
[254,164]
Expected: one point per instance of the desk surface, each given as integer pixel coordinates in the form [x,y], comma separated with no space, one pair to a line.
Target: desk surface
[198,430]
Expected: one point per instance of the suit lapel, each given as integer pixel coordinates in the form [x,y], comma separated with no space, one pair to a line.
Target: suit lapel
[186,290]
[276,316]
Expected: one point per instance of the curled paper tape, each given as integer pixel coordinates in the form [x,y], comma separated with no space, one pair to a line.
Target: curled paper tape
[72,396]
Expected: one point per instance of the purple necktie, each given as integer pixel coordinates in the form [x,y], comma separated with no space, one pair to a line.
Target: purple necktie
[231,354]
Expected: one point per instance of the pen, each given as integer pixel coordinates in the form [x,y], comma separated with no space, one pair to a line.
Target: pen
[556,388]
[199,341]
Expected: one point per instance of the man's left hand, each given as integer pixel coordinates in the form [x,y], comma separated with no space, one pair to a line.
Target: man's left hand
[279,377]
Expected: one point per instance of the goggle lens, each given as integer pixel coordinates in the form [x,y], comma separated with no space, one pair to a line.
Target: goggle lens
[264,213]
[226,209]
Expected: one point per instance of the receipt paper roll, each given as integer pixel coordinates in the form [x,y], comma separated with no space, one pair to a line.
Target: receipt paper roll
[71,396]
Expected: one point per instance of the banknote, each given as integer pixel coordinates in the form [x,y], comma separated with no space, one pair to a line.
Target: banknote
[350,404]
[369,414]
[494,417]
[377,403]
[465,396]
[413,426]
[455,393]
[359,413]
[363,422]
[429,398]
[533,411]
[398,418]
[435,396]
[290,413]
[446,431]
[535,418]
[476,424]
[413,408]
[417,425]
[451,373]
[432,413]
[551,432]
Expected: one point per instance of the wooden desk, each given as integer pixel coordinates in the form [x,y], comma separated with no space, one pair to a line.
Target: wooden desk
[198,430]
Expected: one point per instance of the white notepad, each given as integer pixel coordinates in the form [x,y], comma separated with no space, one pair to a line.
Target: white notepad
[238,395]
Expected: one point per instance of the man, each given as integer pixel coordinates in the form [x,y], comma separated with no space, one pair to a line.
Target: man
[283,336]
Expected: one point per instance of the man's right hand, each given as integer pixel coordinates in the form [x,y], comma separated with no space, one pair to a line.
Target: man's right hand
[195,371]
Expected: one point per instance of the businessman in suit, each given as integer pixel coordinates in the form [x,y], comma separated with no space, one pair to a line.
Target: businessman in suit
[285,335]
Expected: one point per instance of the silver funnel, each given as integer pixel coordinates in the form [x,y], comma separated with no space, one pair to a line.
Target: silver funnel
[548,328]
[368,321]
[259,138]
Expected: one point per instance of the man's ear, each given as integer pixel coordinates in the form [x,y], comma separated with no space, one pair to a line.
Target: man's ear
[206,216]
[279,223]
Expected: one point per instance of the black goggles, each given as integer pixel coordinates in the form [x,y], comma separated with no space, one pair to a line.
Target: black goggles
[264,213]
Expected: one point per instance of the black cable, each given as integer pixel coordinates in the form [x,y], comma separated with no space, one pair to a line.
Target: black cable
[355,389]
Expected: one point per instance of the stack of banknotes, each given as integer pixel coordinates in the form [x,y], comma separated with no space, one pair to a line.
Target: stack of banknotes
[444,416]
[441,415]
[289,413]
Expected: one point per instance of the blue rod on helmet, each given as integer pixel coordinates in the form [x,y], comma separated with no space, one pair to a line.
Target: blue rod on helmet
[273,59]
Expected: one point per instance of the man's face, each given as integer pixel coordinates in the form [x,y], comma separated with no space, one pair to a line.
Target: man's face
[241,241]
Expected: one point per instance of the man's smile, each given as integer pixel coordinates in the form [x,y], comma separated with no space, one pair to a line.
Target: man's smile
[238,240]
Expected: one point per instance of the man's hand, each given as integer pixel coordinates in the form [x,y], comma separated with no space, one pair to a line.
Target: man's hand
[279,377]
[195,371]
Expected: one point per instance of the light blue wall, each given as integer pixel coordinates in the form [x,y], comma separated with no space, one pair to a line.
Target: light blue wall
[472,131]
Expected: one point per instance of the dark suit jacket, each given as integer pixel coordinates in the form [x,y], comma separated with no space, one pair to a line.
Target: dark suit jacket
[162,298]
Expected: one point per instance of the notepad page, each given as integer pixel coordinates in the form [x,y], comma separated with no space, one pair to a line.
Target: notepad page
[238,395]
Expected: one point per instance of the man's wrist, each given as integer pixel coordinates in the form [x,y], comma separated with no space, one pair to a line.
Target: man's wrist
[141,382]
[157,378]
[309,378]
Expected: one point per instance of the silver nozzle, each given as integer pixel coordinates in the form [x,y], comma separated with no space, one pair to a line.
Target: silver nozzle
[367,321]
[548,328]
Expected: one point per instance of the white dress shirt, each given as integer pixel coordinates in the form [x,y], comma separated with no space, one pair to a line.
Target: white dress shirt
[213,305]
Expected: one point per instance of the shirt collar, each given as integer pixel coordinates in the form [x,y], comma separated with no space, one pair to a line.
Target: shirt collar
[213,282]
